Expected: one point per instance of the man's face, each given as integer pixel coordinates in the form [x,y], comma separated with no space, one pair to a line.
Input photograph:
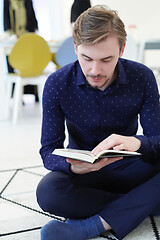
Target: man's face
[98,61]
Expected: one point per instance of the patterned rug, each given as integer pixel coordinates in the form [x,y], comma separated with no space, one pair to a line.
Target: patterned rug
[148,230]
[22,219]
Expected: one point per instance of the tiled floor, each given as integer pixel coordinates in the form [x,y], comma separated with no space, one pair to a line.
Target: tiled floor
[20,171]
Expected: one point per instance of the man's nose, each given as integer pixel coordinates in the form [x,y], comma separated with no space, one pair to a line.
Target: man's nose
[96,69]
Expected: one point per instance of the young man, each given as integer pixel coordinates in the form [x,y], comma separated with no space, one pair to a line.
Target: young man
[100,97]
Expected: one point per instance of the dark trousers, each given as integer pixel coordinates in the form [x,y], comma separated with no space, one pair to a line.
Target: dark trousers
[123,194]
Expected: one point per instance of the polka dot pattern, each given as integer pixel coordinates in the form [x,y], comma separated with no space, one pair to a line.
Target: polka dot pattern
[91,115]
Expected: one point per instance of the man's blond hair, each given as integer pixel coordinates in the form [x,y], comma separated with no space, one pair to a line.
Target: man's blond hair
[96,24]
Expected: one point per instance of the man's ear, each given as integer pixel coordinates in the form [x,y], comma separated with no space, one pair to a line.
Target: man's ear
[75,48]
[122,50]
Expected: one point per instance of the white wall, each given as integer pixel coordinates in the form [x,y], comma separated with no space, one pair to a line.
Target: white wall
[144,14]
[54,16]
[1,16]
[54,19]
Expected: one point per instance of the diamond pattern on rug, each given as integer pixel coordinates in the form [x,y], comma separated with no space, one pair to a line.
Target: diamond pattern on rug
[21,217]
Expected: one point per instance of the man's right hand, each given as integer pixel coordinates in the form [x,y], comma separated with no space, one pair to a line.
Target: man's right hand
[118,142]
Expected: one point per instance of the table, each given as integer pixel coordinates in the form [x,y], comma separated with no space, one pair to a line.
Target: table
[8,44]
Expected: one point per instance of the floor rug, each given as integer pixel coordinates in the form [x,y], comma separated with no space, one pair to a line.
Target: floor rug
[21,218]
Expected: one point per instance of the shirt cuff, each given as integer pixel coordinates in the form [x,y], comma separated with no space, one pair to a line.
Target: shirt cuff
[147,149]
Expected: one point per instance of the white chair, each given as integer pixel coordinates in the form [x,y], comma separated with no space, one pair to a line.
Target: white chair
[3,99]
[30,55]
[149,54]
[131,49]
[150,44]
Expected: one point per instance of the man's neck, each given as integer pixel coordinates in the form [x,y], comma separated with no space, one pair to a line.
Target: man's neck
[110,81]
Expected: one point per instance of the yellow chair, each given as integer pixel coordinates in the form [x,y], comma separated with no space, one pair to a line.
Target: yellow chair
[29,56]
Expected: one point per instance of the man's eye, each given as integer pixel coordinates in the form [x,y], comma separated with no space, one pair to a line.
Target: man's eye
[86,58]
[107,60]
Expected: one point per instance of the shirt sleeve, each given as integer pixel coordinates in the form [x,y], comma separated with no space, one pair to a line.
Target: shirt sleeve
[150,148]
[53,129]
[150,120]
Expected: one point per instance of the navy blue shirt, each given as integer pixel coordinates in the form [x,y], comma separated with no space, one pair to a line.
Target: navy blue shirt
[91,115]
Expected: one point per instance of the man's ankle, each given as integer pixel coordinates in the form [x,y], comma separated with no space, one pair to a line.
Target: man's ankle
[105,224]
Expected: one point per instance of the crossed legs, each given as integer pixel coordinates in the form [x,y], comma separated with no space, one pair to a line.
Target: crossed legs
[124,192]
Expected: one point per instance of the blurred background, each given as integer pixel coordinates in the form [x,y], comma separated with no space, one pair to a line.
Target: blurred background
[140,17]
[21,167]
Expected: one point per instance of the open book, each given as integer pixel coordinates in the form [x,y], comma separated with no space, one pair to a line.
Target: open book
[88,156]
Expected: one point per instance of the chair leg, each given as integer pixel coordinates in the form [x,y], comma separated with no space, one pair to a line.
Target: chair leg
[40,94]
[17,100]
[8,97]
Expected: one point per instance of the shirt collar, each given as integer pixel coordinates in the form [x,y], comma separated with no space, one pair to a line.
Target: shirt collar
[121,78]
[81,80]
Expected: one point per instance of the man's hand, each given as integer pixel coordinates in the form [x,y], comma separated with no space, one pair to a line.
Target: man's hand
[114,141]
[118,142]
[80,167]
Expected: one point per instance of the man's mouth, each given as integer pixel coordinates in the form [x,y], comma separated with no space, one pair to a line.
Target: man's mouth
[96,78]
